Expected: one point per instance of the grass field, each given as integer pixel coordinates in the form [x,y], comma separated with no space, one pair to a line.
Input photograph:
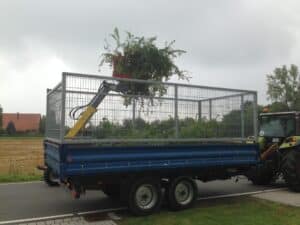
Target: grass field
[236,211]
[19,158]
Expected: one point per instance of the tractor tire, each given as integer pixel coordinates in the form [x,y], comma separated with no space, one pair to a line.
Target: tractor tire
[48,178]
[290,168]
[261,175]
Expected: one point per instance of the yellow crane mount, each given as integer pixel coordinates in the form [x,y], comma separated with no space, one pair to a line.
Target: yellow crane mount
[91,108]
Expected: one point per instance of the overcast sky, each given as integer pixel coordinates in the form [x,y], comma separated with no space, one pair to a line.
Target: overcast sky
[229,43]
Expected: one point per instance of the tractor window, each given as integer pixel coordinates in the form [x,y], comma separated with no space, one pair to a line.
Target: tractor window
[277,126]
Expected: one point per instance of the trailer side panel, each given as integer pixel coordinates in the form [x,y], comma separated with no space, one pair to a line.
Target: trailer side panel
[72,160]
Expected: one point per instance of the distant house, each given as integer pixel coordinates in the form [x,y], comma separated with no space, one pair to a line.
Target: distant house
[23,121]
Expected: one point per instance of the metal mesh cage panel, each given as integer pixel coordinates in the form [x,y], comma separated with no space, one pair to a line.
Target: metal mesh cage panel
[178,112]
[54,112]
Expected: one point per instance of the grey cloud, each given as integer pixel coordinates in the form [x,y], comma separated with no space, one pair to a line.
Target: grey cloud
[223,39]
[213,33]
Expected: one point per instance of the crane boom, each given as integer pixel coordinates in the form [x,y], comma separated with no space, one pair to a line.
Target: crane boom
[91,108]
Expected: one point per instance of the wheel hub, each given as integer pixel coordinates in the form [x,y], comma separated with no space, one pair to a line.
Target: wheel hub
[184,192]
[146,197]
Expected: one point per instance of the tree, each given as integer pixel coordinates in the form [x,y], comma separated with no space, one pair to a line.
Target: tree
[284,87]
[278,107]
[231,124]
[11,129]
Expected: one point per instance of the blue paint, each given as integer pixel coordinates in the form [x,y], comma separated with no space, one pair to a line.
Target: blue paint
[71,160]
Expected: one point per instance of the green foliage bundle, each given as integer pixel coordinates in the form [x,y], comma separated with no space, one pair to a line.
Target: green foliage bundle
[141,58]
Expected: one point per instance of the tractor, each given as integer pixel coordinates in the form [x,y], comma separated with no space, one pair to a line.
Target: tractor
[279,142]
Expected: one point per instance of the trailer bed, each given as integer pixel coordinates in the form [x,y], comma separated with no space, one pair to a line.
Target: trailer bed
[69,160]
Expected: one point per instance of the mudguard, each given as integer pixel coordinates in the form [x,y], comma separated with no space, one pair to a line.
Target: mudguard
[290,142]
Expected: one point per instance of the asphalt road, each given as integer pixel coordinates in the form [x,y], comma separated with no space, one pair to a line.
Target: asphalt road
[30,200]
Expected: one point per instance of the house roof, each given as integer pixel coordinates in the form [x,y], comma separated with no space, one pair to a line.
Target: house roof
[22,121]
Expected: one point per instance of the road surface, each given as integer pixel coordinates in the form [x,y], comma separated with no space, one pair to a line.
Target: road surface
[30,200]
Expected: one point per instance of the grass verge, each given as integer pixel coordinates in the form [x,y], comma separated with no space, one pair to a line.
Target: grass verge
[244,211]
[19,178]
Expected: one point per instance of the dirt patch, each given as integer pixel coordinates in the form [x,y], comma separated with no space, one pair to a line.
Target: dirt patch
[20,156]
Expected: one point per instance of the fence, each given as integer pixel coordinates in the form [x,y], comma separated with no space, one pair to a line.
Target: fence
[150,111]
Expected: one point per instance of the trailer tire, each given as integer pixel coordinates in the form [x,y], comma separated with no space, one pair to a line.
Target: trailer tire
[48,178]
[291,169]
[181,193]
[145,196]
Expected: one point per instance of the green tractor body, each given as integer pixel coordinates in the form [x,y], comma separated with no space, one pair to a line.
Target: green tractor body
[279,141]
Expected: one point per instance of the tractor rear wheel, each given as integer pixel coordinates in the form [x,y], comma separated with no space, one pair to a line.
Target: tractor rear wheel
[291,169]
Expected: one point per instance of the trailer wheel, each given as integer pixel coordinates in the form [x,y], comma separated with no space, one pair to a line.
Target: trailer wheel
[291,170]
[145,196]
[49,178]
[181,193]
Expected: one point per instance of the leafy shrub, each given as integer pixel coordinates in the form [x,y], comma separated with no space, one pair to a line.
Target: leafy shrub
[141,58]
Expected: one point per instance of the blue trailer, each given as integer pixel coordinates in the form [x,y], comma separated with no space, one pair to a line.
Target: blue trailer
[139,153]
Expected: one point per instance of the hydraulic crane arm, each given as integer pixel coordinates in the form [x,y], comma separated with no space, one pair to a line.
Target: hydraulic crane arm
[91,108]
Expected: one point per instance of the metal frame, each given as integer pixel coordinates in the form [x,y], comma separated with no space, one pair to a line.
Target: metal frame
[63,108]
[176,111]
[47,108]
[146,141]
[49,93]
[239,93]
[242,117]
[255,124]
[156,82]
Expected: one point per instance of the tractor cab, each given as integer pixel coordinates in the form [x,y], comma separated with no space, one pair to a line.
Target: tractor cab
[276,127]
